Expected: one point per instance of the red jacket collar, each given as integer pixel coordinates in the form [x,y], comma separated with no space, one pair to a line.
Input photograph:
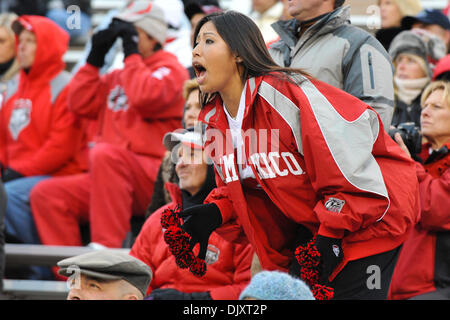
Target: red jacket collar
[213,114]
[174,192]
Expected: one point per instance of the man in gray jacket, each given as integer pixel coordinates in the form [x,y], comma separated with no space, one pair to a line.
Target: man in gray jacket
[321,41]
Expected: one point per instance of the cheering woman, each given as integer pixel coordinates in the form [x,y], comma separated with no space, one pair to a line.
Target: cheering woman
[304,169]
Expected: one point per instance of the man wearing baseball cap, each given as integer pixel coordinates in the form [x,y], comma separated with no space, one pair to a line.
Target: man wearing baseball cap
[135,107]
[105,275]
[228,264]
[432,20]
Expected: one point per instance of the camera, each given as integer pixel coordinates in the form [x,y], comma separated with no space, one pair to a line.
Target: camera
[411,136]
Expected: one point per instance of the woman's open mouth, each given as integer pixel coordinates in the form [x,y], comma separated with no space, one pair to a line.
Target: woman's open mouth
[200,72]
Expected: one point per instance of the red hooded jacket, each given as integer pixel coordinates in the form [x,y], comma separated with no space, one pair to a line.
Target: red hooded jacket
[227,274]
[39,135]
[320,158]
[135,106]
[423,264]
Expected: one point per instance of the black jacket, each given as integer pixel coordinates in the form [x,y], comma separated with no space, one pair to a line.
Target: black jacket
[406,113]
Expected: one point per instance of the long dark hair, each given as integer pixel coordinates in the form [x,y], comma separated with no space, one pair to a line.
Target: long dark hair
[245,40]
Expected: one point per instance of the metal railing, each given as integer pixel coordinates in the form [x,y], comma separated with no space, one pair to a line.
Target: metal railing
[38,255]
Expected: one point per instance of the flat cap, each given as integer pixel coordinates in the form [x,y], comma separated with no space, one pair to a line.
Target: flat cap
[109,265]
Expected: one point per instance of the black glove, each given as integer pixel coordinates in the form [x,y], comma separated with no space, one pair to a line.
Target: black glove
[331,255]
[302,236]
[102,41]
[10,174]
[129,35]
[173,294]
[199,222]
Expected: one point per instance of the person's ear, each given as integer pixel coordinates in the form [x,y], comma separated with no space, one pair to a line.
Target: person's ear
[238,59]
[131,296]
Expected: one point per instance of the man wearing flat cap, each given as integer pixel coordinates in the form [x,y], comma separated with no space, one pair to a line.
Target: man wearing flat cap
[106,275]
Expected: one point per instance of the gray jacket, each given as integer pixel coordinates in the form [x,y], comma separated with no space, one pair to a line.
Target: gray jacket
[342,55]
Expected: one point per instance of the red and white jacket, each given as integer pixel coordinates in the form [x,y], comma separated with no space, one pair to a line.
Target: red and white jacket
[320,158]
[423,264]
[228,269]
[39,135]
[135,106]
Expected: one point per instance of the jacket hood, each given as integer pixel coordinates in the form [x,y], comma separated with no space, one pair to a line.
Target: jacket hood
[52,43]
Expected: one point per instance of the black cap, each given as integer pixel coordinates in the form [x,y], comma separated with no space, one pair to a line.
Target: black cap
[193,7]
[428,16]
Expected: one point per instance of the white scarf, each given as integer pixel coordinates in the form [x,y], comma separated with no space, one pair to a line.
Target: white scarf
[410,89]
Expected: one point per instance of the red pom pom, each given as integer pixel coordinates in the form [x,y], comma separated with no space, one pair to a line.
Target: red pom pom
[308,256]
[198,267]
[321,292]
[178,243]
[177,240]
[179,248]
[309,275]
[185,260]
[169,218]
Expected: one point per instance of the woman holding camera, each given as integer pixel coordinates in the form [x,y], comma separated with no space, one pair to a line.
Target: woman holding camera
[423,269]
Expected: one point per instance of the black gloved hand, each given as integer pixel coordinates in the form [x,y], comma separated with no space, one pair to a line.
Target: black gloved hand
[302,236]
[127,31]
[102,41]
[173,294]
[11,174]
[199,222]
[331,255]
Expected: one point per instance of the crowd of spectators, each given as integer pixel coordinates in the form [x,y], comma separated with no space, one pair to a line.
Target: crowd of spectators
[95,156]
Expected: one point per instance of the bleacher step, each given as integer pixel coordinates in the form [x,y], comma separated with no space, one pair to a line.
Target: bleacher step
[35,289]
[29,254]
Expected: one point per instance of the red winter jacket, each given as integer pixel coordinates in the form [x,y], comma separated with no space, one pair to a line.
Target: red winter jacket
[423,264]
[39,135]
[136,105]
[322,159]
[227,275]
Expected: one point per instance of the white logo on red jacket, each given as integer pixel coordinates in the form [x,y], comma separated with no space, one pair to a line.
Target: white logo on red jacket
[161,73]
[117,99]
[212,254]
[20,117]
[334,205]
[268,165]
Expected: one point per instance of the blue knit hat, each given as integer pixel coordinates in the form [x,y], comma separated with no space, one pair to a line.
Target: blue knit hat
[276,285]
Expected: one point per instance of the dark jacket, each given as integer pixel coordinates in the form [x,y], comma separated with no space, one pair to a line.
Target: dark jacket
[404,112]
[385,36]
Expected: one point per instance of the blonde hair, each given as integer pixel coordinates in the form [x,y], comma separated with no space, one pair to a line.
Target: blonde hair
[433,86]
[189,86]
[407,7]
[416,58]
[6,20]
